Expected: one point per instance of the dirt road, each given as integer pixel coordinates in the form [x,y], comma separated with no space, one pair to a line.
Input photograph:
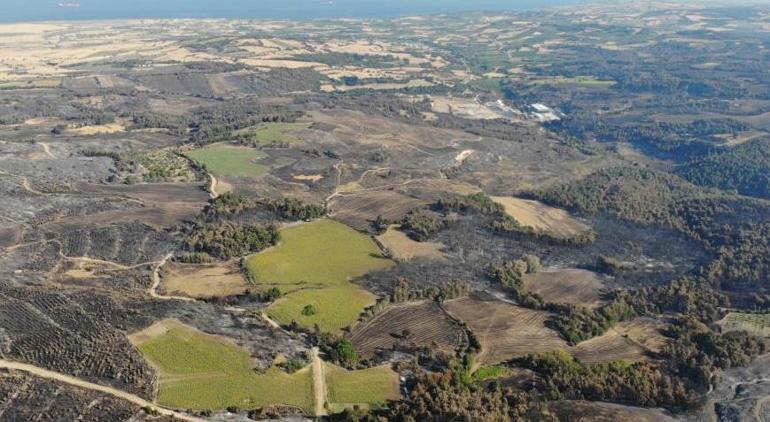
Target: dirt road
[156,283]
[319,382]
[77,382]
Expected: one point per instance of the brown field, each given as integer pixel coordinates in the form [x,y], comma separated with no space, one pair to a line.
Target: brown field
[203,280]
[359,209]
[541,217]
[160,204]
[630,341]
[403,248]
[428,325]
[505,331]
[9,236]
[584,411]
[573,286]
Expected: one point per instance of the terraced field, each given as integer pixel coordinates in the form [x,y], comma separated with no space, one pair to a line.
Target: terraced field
[424,323]
[200,371]
[631,341]
[313,264]
[505,331]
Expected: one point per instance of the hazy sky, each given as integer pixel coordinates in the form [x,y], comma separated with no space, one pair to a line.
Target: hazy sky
[27,10]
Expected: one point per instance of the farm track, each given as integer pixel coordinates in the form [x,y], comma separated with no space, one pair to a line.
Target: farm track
[47,150]
[77,382]
[319,383]
[156,282]
[213,182]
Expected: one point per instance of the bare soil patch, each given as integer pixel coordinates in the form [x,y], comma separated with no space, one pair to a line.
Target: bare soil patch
[203,280]
[578,410]
[9,236]
[403,248]
[573,286]
[505,331]
[541,217]
[359,209]
[424,323]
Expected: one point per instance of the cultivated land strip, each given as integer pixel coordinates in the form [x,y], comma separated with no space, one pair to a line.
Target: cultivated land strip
[77,382]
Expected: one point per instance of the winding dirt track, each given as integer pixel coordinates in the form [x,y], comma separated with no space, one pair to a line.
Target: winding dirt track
[156,283]
[77,382]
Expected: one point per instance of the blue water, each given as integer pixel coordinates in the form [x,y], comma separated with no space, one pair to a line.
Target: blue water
[43,10]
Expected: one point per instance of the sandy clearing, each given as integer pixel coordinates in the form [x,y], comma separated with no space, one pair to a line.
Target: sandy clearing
[204,280]
[311,177]
[541,217]
[403,248]
[97,129]
[462,156]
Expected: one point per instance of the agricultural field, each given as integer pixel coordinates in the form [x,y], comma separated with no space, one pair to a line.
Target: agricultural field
[757,324]
[203,280]
[199,371]
[371,387]
[331,308]
[267,134]
[230,160]
[422,324]
[403,248]
[631,341]
[505,331]
[313,265]
[541,217]
[572,286]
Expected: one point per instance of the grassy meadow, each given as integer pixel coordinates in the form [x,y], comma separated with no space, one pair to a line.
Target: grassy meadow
[227,160]
[272,133]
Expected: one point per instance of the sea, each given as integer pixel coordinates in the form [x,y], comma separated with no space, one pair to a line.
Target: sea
[48,10]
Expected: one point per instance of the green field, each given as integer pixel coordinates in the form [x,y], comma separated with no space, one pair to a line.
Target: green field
[757,324]
[272,133]
[491,372]
[314,263]
[371,387]
[199,371]
[336,307]
[228,160]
